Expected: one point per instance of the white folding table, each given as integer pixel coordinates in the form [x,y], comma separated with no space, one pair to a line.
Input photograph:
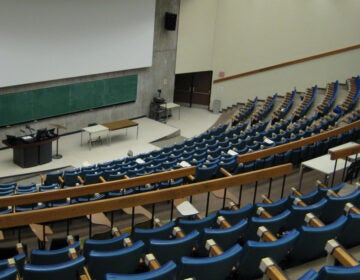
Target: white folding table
[324,165]
[95,131]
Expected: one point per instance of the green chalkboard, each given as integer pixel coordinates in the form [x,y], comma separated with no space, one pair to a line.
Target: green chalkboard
[37,104]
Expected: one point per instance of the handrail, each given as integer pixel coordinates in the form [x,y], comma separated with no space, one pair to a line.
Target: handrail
[96,188]
[296,144]
[342,153]
[284,64]
[111,204]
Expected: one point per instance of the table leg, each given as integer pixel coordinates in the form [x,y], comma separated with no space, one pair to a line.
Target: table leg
[90,141]
[301,176]
[137,131]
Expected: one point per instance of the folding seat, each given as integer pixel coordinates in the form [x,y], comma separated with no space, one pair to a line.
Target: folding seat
[329,272]
[311,242]
[188,226]
[42,257]
[70,178]
[229,165]
[67,270]
[276,207]
[276,224]
[174,249]
[54,203]
[210,268]
[51,178]
[7,188]
[111,171]
[235,216]
[298,213]
[165,272]
[26,188]
[350,235]
[9,273]
[163,232]
[104,245]
[224,237]
[254,251]
[19,258]
[205,172]
[125,260]
[335,206]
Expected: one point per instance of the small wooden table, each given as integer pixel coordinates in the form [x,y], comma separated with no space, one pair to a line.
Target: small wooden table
[122,124]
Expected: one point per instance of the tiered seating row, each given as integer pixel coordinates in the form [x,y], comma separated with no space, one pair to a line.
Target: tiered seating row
[239,251]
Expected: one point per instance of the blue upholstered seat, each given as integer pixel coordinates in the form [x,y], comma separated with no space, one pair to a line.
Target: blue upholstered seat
[125,260]
[235,216]
[163,232]
[254,251]
[104,245]
[198,224]
[40,257]
[275,224]
[67,270]
[312,240]
[165,272]
[210,268]
[224,237]
[173,249]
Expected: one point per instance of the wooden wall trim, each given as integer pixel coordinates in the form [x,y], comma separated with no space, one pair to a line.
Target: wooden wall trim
[288,63]
[111,204]
[296,144]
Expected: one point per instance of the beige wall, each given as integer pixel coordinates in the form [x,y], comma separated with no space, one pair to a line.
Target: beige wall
[254,34]
[197,26]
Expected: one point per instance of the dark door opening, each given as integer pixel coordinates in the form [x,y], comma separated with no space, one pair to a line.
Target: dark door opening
[193,88]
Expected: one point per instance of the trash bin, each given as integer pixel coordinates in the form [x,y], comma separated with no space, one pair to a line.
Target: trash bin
[216,106]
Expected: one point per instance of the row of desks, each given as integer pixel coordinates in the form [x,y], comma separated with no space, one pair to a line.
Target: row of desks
[95,131]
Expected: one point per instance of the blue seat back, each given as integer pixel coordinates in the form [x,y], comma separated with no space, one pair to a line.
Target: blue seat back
[254,251]
[235,216]
[205,172]
[125,260]
[189,225]
[275,224]
[174,249]
[67,270]
[210,268]
[298,213]
[9,273]
[276,207]
[165,272]
[312,240]
[350,235]
[225,238]
[335,206]
[163,232]
[339,273]
[52,256]
[104,245]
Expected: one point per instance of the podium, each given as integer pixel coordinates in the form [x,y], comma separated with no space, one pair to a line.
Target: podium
[57,126]
[32,153]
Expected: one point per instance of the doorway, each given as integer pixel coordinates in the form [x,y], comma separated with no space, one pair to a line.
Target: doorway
[193,88]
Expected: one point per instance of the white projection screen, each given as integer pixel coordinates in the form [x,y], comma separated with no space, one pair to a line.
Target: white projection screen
[45,40]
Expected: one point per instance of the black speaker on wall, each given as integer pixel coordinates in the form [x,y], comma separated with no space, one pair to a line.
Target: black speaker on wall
[170,21]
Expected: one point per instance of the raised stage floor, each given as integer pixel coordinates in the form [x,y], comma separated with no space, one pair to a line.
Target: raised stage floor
[193,121]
